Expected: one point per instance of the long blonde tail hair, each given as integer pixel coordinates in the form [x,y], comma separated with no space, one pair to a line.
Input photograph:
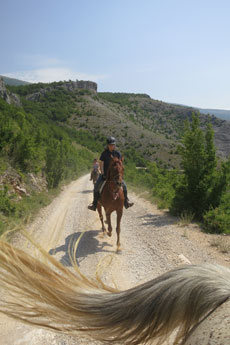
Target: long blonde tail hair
[47,294]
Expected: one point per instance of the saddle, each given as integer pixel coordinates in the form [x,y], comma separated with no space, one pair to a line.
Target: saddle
[102,186]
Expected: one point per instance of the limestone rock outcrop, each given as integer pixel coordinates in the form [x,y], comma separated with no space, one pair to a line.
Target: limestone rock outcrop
[8,96]
[70,86]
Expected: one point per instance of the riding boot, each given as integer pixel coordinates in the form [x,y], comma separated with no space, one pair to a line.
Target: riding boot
[93,206]
[127,203]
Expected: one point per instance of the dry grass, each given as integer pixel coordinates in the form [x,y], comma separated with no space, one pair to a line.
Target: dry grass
[222,244]
[186,218]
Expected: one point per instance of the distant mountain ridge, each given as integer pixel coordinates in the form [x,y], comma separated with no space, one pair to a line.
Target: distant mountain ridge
[13,81]
[222,114]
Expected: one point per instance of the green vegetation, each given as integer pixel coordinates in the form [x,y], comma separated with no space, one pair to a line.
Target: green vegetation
[157,181]
[28,89]
[204,189]
[57,105]
[201,191]
[6,206]
[31,143]
[123,99]
[194,194]
[217,220]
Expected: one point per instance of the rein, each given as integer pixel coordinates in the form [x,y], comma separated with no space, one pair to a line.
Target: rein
[114,191]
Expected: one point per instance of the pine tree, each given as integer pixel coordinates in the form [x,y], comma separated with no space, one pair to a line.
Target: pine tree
[199,165]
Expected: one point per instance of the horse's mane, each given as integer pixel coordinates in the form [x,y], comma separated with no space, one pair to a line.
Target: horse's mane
[47,294]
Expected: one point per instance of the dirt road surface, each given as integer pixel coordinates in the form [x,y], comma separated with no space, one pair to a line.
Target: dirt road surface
[152,243]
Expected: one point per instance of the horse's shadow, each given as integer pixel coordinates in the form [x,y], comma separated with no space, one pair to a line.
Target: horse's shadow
[87,191]
[87,245]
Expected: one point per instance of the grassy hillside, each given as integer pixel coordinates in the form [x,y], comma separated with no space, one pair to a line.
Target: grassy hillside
[149,127]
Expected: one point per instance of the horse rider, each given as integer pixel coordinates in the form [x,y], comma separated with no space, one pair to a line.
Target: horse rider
[104,165]
[95,168]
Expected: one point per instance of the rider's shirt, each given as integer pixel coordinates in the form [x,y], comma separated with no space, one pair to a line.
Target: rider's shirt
[106,157]
[96,167]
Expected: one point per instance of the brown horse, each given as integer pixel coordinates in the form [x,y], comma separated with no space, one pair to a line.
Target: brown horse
[112,197]
[94,176]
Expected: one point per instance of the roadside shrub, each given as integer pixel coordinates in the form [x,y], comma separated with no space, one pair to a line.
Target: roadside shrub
[1,227]
[218,220]
[5,204]
[195,193]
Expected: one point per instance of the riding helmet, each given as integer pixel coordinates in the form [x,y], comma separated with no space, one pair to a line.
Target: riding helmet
[111,141]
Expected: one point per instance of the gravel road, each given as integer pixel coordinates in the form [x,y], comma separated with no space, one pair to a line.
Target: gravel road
[152,243]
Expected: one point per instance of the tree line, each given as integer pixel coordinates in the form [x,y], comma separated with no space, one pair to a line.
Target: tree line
[201,188]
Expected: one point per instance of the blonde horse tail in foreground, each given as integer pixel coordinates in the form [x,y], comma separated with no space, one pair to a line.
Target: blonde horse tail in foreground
[51,296]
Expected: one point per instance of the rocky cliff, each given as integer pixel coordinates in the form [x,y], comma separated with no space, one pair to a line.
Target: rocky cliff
[70,86]
[9,97]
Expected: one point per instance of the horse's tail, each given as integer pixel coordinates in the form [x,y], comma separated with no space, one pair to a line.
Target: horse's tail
[56,298]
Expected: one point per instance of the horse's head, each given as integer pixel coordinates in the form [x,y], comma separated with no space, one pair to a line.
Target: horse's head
[116,171]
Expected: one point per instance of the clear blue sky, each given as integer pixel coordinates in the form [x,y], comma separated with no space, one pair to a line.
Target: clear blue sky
[177,51]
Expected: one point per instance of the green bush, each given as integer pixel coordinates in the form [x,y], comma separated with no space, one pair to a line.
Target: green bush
[160,183]
[6,206]
[218,220]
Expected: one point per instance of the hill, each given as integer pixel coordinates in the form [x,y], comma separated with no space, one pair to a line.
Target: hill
[13,81]
[141,124]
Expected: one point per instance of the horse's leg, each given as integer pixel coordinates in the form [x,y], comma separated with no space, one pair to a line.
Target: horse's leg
[99,210]
[108,218]
[118,228]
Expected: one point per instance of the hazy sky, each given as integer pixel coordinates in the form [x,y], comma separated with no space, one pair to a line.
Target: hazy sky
[176,51]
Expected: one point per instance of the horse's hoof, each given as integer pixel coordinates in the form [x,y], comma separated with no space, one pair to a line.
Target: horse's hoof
[109,233]
[118,248]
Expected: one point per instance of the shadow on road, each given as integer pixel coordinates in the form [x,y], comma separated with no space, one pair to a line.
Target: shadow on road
[87,245]
[86,191]
[157,220]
